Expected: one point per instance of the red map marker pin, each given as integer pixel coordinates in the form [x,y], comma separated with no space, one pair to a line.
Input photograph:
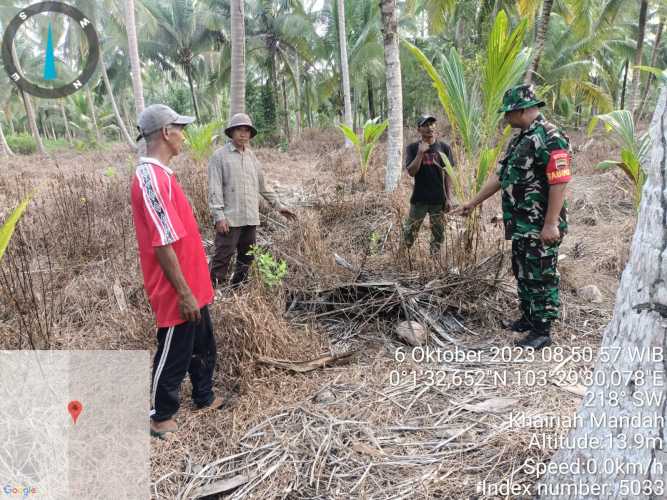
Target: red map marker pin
[74,408]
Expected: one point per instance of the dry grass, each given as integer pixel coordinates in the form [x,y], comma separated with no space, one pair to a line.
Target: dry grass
[335,433]
[251,324]
[366,434]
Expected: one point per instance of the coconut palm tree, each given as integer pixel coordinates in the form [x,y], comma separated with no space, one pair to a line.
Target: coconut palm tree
[111,37]
[394,94]
[436,13]
[82,118]
[581,63]
[539,39]
[654,58]
[366,54]
[237,85]
[63,114]
[636,74]
[133,49]
[277,33]
[344,66]
[114,105]
[185,31]
[638,320]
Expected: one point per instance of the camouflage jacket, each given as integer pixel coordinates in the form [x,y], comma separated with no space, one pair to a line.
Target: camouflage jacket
[522,171]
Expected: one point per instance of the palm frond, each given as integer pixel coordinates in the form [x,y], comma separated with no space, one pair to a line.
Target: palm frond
[506,61]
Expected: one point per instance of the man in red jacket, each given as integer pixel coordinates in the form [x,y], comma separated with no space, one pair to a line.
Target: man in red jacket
[176,276]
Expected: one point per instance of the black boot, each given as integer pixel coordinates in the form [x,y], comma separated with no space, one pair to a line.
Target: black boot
[520,325]
[538,337]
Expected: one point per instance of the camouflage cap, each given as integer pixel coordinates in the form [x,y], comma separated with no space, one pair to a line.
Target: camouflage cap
[519,97]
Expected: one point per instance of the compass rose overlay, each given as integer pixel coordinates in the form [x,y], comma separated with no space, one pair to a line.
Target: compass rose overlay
[12,66]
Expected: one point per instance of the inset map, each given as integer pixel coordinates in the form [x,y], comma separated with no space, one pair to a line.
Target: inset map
[45,454]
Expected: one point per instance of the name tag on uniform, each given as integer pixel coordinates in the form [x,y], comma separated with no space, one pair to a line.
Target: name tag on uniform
[559,167]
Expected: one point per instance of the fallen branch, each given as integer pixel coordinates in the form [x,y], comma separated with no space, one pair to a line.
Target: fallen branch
[308,366]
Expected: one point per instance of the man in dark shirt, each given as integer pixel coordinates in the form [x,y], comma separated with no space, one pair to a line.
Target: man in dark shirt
[432,191]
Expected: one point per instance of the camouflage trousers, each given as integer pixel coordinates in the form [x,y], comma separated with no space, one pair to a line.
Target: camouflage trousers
[535,269]
[418,212]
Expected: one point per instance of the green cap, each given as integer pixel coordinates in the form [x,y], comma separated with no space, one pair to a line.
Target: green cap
[519,97]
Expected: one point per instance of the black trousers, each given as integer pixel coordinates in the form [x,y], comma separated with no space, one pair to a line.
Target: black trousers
[185,348]
[238,240]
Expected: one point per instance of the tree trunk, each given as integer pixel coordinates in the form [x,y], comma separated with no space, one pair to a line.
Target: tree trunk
[45,130]
[52,127]
[286,112]
[309,112]
[133,47]
[217,105]
[126,114]
[625,83]
[188,72]
[274,88]
[539,40]
[32,123]
[394,95]
[371,99]
[68,133]
[459,32]
[634,346]
[297,95]
[355,114]
[237,80]
[93,115]
[654,58]
[5,149]
[636,74]
[116,112]
[383,106]
[344,68]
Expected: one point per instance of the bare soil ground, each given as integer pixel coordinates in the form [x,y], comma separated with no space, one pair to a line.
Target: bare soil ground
[378,427]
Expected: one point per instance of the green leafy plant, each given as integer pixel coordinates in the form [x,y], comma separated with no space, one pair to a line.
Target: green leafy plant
[365,145]
[83,146]
[659,73]
[374,243]
[200,139]
[635,148]
[283,145]
[82,121]
[56,144]
[23,144]
[7,229]
[110,172]
[271,271]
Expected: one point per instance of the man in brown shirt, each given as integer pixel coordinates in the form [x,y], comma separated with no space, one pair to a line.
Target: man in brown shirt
[235,183]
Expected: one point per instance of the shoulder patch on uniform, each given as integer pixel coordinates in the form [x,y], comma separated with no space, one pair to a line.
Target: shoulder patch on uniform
[559,167]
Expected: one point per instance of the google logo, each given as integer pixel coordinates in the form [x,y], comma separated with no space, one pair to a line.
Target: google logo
[16,491]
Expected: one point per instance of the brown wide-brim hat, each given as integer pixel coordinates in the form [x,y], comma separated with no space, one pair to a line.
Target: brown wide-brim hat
[240,120]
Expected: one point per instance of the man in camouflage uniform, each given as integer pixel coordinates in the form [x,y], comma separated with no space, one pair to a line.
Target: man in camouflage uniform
[533,175]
